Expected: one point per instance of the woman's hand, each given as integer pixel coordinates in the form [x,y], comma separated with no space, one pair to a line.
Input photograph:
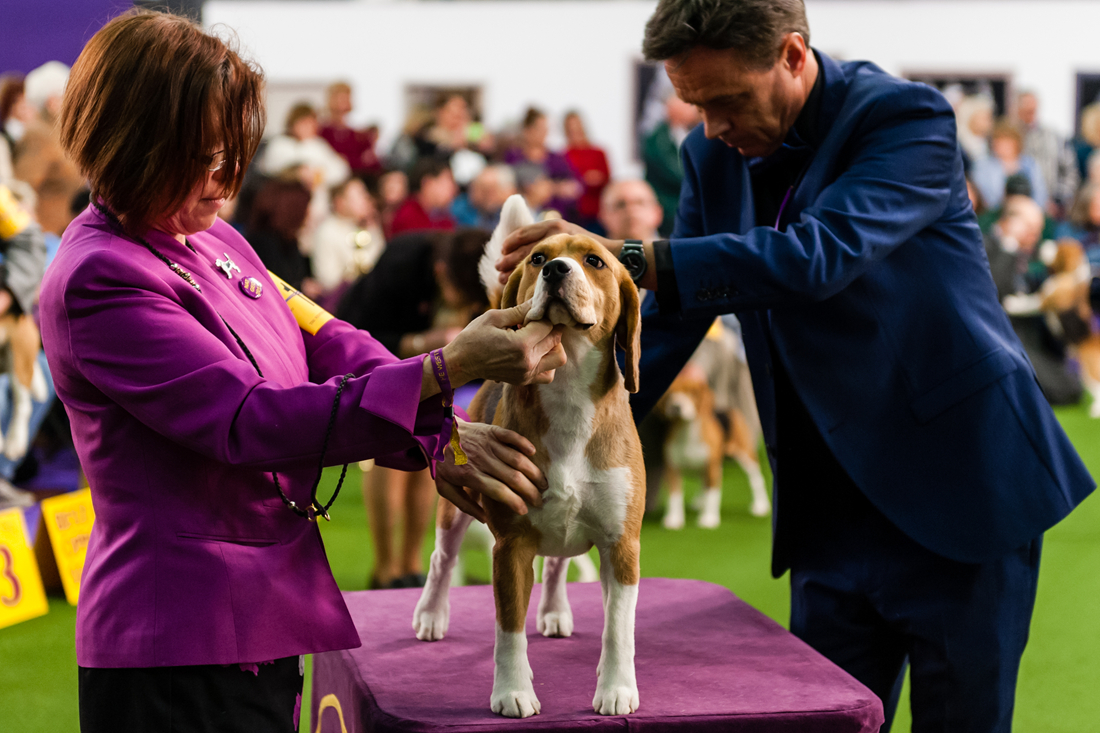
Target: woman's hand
[500,468]
[498,345]
[519,243]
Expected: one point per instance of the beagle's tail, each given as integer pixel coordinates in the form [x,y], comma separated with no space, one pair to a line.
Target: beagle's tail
[513,216]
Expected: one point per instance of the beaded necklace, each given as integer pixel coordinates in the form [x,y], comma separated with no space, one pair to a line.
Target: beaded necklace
[314,509]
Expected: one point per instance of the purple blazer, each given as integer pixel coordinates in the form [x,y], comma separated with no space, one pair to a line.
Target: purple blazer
[194,559]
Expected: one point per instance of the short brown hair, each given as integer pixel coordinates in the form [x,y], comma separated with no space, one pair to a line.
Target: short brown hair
[11,89]
[755,28]
[1006,128]
[149,98]
[299,111]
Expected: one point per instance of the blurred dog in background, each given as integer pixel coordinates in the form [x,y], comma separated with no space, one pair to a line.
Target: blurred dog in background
[710,413]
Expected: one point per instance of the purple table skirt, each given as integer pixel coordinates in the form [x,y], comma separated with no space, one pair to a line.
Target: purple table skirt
[706,661]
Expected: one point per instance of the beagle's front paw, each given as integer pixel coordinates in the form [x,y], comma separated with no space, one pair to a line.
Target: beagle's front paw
[515,703]
[430,619]
[615,699]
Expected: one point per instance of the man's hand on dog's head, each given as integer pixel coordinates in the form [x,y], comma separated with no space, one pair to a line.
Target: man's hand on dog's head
[519,243]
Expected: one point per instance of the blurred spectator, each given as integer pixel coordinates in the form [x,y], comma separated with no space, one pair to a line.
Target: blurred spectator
[532,150]
[975,196]
[15,114]
[661,155]
[1017,273]
[278,216]
[1084,221]
[537,190]
[422,291]
[349,241]
[1015,185]
[449,131]
[590,165]
[23,250]
[356,147]
[629,210]
[1051,153]
[974,117]
[39,159]
[1089,138]
[1007,159]
[301,152]
[404,154]
[431,191]
[393,189]
[480,205]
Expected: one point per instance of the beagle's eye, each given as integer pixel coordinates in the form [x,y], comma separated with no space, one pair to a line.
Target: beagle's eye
[594,261]
[538,258]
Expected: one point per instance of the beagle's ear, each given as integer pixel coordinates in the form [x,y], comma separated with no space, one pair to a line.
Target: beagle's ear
[511,289]
[628,331]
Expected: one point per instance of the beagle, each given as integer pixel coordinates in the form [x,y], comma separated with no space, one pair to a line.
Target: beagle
[588,449]
[694,443]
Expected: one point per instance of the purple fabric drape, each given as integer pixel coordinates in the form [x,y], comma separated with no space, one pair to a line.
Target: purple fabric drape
[706,661]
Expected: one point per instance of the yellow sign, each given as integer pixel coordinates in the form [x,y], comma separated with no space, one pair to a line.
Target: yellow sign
[21,594]
[68,519]
[309,315]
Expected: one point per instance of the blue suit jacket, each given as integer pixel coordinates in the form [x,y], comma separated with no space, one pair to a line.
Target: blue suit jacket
[876,295]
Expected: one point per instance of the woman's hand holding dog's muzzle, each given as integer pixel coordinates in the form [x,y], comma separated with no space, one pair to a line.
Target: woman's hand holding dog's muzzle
[499,467]
[500,346]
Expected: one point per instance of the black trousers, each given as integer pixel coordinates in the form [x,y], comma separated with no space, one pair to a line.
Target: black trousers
[198,699]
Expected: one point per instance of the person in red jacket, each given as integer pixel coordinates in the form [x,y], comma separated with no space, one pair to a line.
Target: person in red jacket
[428,206]
[590,165]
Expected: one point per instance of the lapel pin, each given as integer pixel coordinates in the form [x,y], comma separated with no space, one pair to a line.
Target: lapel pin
[227,266]
[251,287]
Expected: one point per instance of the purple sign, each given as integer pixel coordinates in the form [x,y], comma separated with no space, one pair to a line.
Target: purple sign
[36,31]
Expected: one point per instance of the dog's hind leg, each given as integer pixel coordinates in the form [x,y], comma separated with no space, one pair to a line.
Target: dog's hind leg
[674,511]
[744,440]
[433,610]
[711,516]
[616,684]
[513,577]
[761,503]
[555,616]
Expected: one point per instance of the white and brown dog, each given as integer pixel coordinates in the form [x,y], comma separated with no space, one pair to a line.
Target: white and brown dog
[694,444]
[588,449]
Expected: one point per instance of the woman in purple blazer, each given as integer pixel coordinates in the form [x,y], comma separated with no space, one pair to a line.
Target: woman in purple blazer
[203,407]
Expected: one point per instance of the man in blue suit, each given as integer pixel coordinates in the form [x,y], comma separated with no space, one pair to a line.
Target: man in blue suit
[916,461]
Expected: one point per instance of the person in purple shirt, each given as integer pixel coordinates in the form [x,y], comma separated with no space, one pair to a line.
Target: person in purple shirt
[532,150]
[205,397]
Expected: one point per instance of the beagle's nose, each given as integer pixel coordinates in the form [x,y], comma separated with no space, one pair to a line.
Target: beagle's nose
[555,271]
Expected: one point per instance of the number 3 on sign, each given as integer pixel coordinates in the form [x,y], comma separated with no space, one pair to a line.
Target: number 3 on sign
[21,593]
[8,573]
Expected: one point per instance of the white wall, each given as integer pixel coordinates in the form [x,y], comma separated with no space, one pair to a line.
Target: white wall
[571,53]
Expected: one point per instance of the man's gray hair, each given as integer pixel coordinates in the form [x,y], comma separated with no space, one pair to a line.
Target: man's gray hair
[755,28]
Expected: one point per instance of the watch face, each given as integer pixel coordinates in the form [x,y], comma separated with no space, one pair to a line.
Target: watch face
[634,263]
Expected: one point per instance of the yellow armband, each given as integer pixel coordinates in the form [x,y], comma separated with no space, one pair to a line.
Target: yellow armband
[13,219]
[310,316]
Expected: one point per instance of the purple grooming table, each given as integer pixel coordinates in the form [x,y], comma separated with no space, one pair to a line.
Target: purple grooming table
[706,661]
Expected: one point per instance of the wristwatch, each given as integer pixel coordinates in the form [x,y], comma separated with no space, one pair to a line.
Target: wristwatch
[632,256]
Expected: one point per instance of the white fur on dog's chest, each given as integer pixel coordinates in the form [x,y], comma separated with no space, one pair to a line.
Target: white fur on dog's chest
[584,505]
[686,448]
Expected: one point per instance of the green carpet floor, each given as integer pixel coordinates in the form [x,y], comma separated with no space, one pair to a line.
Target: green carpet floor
[1058,679]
